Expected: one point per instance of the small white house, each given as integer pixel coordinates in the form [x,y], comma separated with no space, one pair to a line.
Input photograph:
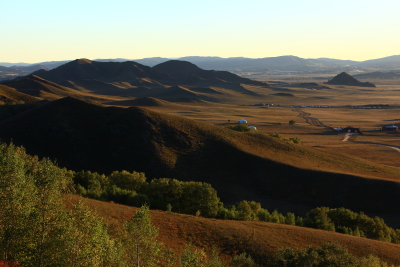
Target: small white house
[253,128]
[242,121]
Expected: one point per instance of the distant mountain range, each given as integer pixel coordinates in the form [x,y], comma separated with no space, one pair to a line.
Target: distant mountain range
[242,64]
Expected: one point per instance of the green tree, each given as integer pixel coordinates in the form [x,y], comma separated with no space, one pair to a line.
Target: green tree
[244,210]
[139,238]
[242,260]
[17,200]
[48,216]
[199,196]
[290,219]
[88,241]
[193,257]
[128,180]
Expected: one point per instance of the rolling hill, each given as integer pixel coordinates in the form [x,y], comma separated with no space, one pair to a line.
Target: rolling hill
[259,239]
[43,89]
[10,95]
[87,136]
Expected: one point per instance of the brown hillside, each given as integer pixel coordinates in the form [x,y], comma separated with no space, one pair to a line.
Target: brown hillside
[44,89]
[290,177]
[143,101]
[9,95]
[259,239]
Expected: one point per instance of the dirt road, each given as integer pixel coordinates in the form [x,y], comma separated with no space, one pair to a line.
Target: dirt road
[348,136]
[310,120]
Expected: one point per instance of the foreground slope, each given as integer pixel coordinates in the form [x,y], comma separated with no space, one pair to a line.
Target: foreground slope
[259,239]
[86,136]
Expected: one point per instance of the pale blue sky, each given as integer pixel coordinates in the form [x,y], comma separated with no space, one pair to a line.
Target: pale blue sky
[34,31]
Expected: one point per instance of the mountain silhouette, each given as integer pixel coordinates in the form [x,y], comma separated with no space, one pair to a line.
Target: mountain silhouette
[84,69]
[189,72]
[346,79]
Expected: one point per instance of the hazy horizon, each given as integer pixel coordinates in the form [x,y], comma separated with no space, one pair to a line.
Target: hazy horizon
[48,31]
[171,58]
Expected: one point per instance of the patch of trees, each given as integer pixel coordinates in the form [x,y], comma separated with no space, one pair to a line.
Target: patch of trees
[348,222]
[329,254]
[131,188]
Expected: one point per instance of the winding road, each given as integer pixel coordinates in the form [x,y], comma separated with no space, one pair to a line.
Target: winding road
[310,120]
[348,136]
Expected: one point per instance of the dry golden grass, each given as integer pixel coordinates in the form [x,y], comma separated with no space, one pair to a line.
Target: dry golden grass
[259,239]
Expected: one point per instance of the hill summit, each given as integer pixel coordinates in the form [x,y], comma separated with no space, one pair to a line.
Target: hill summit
[346,79]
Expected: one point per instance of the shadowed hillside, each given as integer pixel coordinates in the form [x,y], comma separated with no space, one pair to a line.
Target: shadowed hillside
[85,136]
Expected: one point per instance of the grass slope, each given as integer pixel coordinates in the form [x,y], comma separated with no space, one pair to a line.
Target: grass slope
[259,239]
[9,95]
[40,88]
[86,136]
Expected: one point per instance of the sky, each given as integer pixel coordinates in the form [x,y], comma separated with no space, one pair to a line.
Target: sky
[44,30]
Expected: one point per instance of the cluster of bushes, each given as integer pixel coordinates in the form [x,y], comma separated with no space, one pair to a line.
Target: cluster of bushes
[240,128]
[293,140]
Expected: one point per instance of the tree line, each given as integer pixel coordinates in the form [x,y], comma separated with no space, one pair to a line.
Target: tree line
[197,198]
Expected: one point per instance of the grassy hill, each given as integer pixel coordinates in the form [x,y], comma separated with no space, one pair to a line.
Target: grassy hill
[43,89]
[87,136]
[10,95]
[259,239]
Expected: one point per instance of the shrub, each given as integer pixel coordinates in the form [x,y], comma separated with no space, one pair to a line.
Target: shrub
[240,128]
